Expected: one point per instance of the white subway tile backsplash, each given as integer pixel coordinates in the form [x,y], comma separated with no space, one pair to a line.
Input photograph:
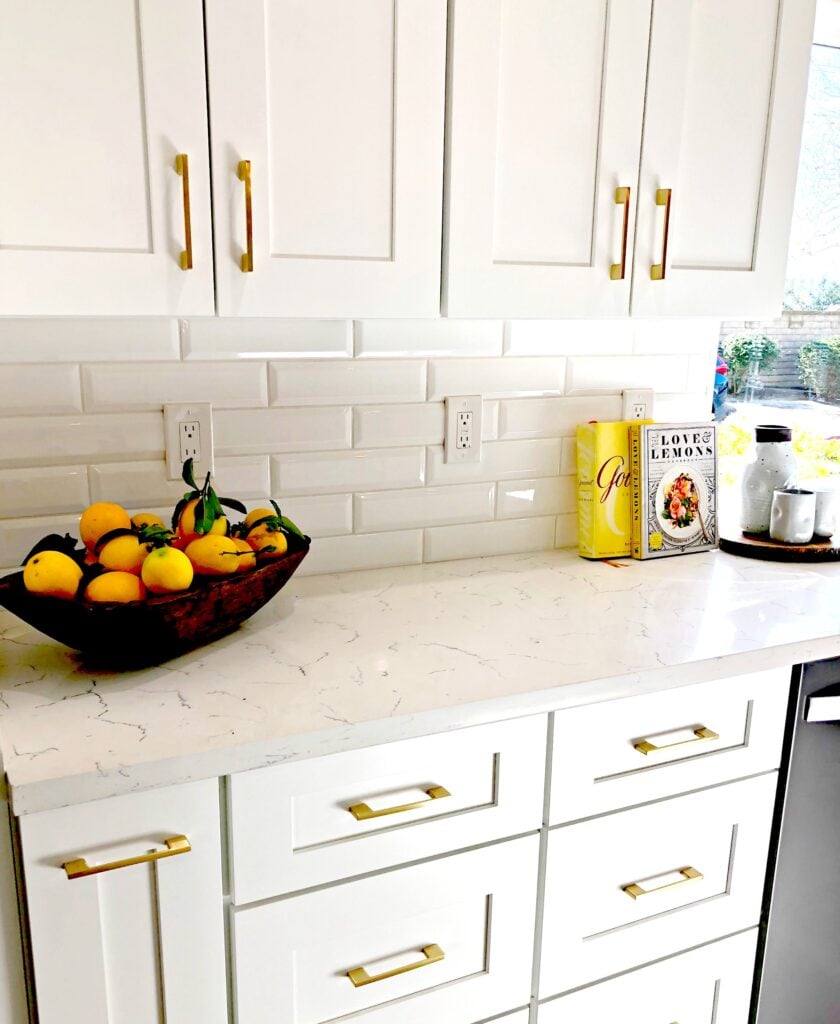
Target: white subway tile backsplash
[549,496]
[338,383]
[140,484]
[568,458]
[428,506]
[380,426]
[412,338]
[27,389]
[682,408]
[320,515]
[363,551]
[42,492]
[55,440]
[308,428]
[668,337]
[500,460]
[125,386]
[19,536]
[325,472]
[566,531]
[490,421]
[591,374]
[267,338]
[554,417]
[496,377]
[442,543]
[567,337]
[94,340]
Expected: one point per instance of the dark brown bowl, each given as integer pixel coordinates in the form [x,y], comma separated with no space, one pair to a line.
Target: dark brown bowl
[148,632]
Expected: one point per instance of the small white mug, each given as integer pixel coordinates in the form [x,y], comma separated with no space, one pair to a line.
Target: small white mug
[825,520]
[792,515]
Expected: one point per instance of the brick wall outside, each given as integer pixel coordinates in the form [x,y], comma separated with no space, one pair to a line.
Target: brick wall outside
[790,332]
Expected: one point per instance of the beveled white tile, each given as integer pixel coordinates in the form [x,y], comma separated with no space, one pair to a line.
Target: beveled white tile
[615,373]
[325,472]
[429,337]
[380,426]
[44,491]
[426,506]
[354,382]
[52,440]
[554,417]
[684,408]
[87,340]
[123,386]
[496,377]
[568,337]
[568,458]
[549,496]
[672,336]
[321,515]
[507,537]
[500,460]
[363,551]
[141,484]
[267,338]
[27,389]
[240,431]
[566,531]
[701,373]
[490,421]
[19,536]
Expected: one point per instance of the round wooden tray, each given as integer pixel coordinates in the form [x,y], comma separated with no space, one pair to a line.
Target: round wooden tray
[761,545]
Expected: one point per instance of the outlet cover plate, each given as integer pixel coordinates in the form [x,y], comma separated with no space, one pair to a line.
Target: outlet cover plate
[173,416]
[463,429]
[637,404]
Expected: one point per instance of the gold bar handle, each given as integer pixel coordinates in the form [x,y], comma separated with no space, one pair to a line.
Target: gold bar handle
[663,198]
[80,868]
[701,733]
[361,812]
[182,166]
[622,198]
[634,891]
[431,955]
[247,261]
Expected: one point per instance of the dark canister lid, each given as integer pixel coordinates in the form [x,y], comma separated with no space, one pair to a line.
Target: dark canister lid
[771,432]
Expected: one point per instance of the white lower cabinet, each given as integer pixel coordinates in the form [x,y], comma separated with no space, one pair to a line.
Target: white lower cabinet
[710,985]
[448,941]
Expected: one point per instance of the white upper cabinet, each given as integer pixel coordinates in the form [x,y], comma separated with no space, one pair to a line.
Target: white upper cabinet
[327,127]
[723,122]
[99,97]
[546,102]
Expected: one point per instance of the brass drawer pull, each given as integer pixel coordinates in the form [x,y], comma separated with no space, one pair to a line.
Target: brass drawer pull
[182,167]
[247,261]
[431,955]
[634,891]
[700,733]
[663,198]
[80,868]
[622,198]
[361,812]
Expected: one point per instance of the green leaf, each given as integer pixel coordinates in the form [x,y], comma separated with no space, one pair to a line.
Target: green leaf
[290,526]
[234,504]
[55,542]
[201,524]
[179,508]
[276,508]
[187,474]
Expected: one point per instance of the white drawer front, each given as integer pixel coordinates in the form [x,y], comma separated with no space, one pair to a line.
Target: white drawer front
[598,766]
[594,927]
[293,956]
[711,985]
[292,826]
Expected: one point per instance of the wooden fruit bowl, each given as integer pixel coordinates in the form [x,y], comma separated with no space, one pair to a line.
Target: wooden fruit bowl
[151,631]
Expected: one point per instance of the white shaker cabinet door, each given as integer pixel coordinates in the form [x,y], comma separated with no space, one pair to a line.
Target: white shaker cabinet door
[139,943]
[546,106]
[327,127]
[723,121]
[97,100]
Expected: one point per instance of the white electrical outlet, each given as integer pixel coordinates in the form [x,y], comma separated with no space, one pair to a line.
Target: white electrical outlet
[463,429]
[637,404]
[189,435]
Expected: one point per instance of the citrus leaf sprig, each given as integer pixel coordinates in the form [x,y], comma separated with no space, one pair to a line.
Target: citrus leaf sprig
[277,522]
[55,542]
[208,506]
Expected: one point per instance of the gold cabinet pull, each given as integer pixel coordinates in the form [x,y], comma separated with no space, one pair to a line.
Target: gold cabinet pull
[663,198]
[361,812]
[247,261]
[622,198]
[701,733]
[431,955]
[634,891]
[80,868]
[182,166]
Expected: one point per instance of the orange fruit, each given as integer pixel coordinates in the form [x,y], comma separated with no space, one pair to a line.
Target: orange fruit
[263,539]
[256,514]
[167,570]
[99,519]
[213,555]
[247,555]
[120,587]
[186,523]
[125,553]
[52,573]
[142,519]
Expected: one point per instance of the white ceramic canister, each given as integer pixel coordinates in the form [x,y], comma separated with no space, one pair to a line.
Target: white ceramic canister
[827,517]
[792,516]
[773,469]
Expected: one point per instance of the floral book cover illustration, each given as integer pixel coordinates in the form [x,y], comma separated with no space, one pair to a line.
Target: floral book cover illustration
[674,499]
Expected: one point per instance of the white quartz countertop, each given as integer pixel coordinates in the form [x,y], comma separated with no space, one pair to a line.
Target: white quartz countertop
[350,660]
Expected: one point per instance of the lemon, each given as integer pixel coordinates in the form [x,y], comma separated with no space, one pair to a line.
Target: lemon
[52,573]
[263,539]
[256,514]
[167,570]
[247,555]
[121,587]
[125,553]
[213,555]
[142,519]
[186,523]
[99,519]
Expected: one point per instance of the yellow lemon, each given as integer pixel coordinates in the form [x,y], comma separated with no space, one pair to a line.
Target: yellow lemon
[167,570]
[52,573]
[256,514]
[247,555]
[121,587]
[125,553]
[213,555]
[186,523]
[142,519]
[268,543]
[99,519]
